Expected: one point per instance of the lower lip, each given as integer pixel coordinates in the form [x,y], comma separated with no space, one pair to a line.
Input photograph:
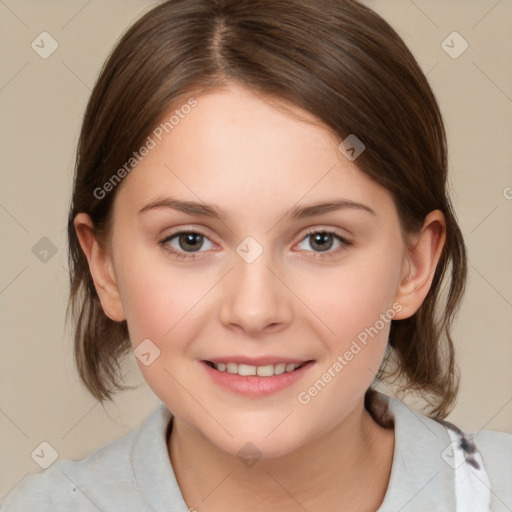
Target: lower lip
[253,385]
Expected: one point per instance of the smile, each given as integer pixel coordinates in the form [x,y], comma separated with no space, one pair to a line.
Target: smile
[244,370]
[256,381]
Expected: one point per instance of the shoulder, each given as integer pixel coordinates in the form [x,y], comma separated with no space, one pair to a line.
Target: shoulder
[69,483]
[482,463]
[101,481]
[439,467]
[496,451]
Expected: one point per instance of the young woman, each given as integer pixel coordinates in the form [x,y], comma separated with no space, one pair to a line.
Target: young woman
[260,214]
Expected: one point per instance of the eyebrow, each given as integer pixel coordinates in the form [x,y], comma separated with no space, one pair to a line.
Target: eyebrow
[212,211]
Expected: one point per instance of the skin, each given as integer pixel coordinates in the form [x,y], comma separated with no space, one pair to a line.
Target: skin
[256,158]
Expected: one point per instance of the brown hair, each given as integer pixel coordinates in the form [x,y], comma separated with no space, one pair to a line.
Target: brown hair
[336,59]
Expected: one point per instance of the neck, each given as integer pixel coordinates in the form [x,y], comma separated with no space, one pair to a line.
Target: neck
[333,468]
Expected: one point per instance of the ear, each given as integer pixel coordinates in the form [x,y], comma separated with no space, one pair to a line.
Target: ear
[101,268]
[420,263]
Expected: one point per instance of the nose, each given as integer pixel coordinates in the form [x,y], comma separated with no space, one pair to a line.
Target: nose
[255,298]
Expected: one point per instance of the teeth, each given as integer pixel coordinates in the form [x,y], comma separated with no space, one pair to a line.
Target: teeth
[244,369]
[231,368]
[265,371]
[262,371]
[279,368]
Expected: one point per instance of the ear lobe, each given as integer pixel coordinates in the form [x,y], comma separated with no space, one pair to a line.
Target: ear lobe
[101,268]
[422,257]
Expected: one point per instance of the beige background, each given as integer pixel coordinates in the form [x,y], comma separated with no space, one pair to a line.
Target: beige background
[42,101]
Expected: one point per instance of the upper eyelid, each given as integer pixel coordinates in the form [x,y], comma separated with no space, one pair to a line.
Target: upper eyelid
[332,231]
[186,230]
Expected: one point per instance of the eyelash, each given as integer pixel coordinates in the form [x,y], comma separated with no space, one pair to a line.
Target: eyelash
[327,254]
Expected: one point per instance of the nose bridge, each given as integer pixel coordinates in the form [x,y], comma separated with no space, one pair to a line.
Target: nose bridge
[255,296]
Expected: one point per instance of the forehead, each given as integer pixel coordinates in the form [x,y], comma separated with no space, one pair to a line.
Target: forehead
[236,148]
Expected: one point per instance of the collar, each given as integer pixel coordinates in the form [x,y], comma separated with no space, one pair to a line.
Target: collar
[420,478]
[151,465]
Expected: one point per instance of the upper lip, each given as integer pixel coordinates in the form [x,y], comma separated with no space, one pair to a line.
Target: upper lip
[256,361]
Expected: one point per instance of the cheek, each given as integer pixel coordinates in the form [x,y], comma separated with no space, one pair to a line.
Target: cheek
[159,303]
[353,298]
[161,308]
[357,307]
[156,295]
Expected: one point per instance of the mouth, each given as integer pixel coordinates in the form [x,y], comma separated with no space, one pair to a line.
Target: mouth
[270,376]
[267,370]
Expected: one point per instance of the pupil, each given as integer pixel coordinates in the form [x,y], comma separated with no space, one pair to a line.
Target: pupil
[190,238]
[320,240]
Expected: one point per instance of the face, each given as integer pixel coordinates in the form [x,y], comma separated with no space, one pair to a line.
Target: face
[260,281]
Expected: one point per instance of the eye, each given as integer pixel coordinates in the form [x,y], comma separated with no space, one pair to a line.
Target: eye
[323,240]
[185,242]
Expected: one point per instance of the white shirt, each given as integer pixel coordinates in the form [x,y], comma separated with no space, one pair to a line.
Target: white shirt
[430,472]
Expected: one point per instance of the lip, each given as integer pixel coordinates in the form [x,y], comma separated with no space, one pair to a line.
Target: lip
[256,361]
[254,385]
